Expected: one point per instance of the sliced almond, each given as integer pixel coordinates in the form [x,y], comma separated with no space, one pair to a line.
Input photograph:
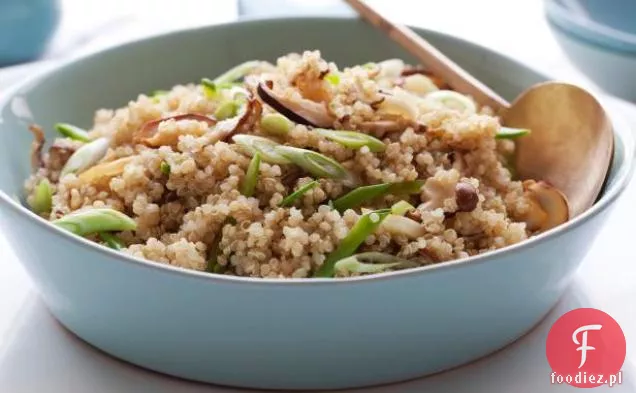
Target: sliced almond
[399,225]
[104,172]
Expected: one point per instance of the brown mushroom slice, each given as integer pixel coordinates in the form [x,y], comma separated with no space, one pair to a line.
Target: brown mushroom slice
[298,110]
[244,121]
[381,127]
[59,153]
[36,147]
[149,136]
[548,206]
[105,171]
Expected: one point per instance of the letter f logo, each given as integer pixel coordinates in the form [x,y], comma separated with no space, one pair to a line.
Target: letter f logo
[584,347]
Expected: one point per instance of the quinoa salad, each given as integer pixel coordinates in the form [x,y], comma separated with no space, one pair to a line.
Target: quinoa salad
[298,168]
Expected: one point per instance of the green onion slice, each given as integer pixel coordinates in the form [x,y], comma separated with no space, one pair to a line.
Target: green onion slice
[73,132]
[236,73]
[251,176]
[401,208]
[294,196]
[366,193]
[88,221]
[511,133]
[276,124]
[315,163]
[333,78]
[370,262]
[365,226]
[42,198]
[112,241]
[86,156]
[164,167]
[352,139]
[226,110]
[266,147]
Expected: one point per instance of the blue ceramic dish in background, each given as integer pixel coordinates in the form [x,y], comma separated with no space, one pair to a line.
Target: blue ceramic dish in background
[26,28]
[600,39]
[278,333]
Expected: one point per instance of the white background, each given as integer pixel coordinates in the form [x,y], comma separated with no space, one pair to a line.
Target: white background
[37,355]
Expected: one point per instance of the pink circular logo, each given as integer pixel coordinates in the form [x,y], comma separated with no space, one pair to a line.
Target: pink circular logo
[586,348]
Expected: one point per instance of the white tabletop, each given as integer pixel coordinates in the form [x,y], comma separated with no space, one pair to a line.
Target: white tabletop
[37,355]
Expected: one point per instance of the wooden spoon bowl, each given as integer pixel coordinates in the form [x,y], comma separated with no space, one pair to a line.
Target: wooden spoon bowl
[571,141]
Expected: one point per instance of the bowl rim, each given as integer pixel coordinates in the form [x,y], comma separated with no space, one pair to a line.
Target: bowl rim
[588,30]
[621,179]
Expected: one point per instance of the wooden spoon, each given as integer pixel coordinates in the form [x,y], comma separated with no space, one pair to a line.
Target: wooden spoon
[571,141]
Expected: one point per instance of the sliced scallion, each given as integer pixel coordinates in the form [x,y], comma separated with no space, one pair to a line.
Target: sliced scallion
[42,198]
[211,88]
[266,147]
[276,124]
[86,156]
[226,110]
[294,196]
[112,241]
[88,221]
[333,78]
[401,208]
[365,226]
[363,194]
[511,133]
[251,176]
[369,262]
[315,163]
[164,167]
[157,94]
[73,132]
[236,73]
[352,139]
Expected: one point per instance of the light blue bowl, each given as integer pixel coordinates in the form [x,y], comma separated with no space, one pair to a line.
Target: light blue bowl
[278,334]
[599,37]
[26,28]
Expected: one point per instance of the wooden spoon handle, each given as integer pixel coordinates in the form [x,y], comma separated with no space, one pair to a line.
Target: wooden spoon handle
[432,59]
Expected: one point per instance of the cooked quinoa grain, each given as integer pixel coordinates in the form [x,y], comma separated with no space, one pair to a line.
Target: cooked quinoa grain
[177,172]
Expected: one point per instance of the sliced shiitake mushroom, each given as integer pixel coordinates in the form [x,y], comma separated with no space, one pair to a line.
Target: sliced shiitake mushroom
[59,153]
[36,147]
[148,133]
[298,110]
[381,127]
[548,206]
[244,121]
